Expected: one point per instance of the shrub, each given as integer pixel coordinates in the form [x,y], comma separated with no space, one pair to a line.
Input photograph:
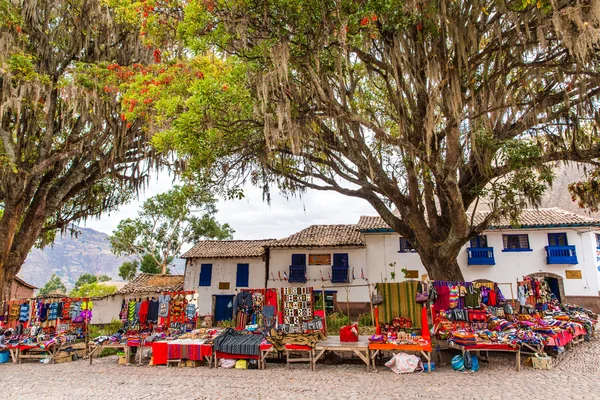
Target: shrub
[106,329]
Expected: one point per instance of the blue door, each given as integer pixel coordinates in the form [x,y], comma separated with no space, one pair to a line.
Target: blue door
[223,307]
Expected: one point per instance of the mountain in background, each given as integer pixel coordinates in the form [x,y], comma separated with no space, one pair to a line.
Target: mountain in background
[72,256]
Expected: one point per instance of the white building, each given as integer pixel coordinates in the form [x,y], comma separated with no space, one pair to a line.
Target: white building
[341,259]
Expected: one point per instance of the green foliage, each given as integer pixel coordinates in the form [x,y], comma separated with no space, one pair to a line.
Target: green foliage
[335,321]
[365,319]
[226,324]
[94,289]
[128,270]
[106,329]
[165,223]
[53,285]
[87,278]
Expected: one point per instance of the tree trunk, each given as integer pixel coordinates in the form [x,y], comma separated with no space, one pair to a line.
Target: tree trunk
[442,267]
[9,225]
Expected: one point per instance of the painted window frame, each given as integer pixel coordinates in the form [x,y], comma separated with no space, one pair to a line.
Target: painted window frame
[515,249]
[242,281]
[555,236]
[598,241]
[206,273]
[479,242]
[405,246]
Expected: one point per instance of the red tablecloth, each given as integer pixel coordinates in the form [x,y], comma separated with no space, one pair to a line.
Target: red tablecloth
[560,339]
[161,350]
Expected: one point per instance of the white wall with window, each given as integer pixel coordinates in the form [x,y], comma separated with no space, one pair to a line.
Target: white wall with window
[245,272]
[516,253]
[320,271]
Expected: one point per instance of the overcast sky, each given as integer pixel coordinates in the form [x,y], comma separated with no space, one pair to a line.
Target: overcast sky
[252,218]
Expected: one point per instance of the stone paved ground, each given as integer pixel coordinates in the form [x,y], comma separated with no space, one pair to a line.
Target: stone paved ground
[577,376]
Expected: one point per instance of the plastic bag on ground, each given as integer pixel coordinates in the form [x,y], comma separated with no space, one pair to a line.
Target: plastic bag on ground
[403,363]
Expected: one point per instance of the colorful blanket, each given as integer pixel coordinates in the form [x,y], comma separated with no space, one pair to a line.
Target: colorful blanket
[399,300]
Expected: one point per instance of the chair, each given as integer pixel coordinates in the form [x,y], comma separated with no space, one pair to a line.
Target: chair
[289,348]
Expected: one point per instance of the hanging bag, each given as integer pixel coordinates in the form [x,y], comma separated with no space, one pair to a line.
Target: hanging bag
[422,295]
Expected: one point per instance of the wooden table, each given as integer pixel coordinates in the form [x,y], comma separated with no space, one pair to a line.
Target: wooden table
[22,352]
[264,350]
[333,343]
[376,348]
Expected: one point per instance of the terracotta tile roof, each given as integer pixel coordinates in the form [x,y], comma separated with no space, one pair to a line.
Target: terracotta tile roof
[323,236]
[543,217]
[228,249]
[22,282]
[530,218]
[150,283]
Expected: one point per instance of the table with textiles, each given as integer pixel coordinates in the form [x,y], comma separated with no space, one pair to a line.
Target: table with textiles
[424,349]
[181,349]
[37,351]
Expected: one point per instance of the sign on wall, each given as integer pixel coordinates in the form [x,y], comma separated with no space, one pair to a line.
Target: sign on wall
[223,285]
[319,259]
[573,274]
[411,274]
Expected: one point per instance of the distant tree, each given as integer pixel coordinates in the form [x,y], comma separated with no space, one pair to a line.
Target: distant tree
[128,270]
[93,289]
[89,278]
[148,265]
[165,223]
[53,285]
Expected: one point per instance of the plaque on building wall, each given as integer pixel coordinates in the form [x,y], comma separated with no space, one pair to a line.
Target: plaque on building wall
[573,274]
[411,274]
[319,259]
[223,285]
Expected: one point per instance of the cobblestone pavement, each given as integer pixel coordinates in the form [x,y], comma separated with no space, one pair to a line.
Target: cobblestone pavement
[576,376]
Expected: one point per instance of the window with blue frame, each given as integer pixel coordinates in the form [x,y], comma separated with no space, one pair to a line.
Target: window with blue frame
[557,239]
[205,275]
[406,246]
[479,241]
[339,268]
[516,242]
[242,275]
[298,268]
[598,240]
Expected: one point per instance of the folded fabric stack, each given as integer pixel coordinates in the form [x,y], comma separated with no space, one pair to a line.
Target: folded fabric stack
[464,338]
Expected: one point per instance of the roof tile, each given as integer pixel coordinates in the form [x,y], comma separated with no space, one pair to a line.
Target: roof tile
[153,283]
[531,218]
[228,249]
[323,236]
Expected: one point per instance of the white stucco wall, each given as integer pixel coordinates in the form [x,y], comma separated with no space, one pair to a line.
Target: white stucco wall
[223,270]
[382,249]
[281,259]
[106,309]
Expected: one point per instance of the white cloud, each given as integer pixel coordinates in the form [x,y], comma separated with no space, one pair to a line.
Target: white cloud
[253,218]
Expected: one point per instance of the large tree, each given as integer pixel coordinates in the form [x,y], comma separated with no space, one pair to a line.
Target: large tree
[422,106]
[67,151]
[165,223]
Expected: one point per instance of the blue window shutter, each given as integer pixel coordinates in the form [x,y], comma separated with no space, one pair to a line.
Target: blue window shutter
[243,271]
[205,275]
[298,259]
[557,239]
[340,259]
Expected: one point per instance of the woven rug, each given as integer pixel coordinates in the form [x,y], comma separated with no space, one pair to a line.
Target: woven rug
[399,301]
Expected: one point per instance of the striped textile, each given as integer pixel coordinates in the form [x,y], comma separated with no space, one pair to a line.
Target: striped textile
[399,301]
[236,342]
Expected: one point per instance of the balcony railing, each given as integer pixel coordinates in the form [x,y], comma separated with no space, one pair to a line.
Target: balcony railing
[561,255]
[297,273]
[339,274]
[481,256]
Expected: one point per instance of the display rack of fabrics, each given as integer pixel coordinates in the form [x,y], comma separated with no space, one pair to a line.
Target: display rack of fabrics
[41,327]
[476,316]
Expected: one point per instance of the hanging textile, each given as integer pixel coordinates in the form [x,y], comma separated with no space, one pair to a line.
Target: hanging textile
[409,308]
[297,306]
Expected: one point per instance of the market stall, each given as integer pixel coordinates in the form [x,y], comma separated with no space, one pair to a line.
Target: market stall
[475,316]
[47,328]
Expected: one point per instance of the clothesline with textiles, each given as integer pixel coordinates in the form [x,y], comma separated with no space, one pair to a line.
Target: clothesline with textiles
[50,315]
[256,307]
[168,310]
